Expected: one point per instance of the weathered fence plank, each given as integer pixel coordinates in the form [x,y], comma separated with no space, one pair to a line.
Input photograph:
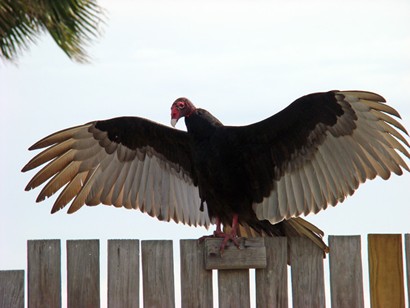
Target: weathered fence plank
[386,270]
[345,269]
[196,281]
[123,273]
[272,281]
[157,273]
[307,273]
[233,287]
[407,249]
[251,253]
[12,288]
[83,273]
[44,273]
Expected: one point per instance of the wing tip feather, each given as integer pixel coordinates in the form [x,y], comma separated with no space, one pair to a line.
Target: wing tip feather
[363,95]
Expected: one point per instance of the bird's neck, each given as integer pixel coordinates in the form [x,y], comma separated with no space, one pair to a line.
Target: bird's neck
[201,124]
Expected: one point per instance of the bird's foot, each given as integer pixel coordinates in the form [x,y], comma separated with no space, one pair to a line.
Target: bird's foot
[231,236]
[218,233]
[226,238]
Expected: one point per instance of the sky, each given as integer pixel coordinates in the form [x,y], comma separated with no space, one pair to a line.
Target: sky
[241,60]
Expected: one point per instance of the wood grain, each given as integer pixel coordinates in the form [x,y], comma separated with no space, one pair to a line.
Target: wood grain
[83,273]
[307,273]
[272,281]
[386,270]
[157,274]
[233,288]
[12,288]
[44,273]
[346,276]
[123,273]
[250,254]
[196,281]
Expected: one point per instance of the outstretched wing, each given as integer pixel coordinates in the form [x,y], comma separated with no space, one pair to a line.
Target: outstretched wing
[126,161]
[318,150]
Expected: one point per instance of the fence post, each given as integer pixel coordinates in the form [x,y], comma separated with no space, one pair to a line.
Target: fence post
[196,281]
[44,273]
[386,270]
[272,281]
[345,269]
[123,273]
[233,288]
[157,273]
[12,288]
[307,273]
[83,273]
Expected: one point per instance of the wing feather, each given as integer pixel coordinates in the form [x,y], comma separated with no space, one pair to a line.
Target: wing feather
[134,193]
[290,195]
[298,191]
[46,156]
[142,196]
[59,180]
[79,199]
[353,151]
[77,132]
[130,162]
[282,198]
[380,107]
[323,147]
[70,191]
[388,129]
[389,120]
[327,171]
[118,188]
[363,95]
[129,184]
[109,176]
[51,169]
[176,188]
[164,202]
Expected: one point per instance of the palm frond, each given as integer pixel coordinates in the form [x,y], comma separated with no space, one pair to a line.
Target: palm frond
[17,29]
[73,24]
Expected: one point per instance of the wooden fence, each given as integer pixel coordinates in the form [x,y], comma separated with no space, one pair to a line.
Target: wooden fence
[269,256]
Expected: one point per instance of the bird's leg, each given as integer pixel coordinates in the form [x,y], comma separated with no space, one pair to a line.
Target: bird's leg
[218,232]
[233,236]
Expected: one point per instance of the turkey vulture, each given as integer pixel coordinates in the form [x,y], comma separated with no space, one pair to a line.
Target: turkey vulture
[259,177]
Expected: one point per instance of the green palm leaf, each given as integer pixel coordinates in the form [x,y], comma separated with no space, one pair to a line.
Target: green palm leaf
[73,24]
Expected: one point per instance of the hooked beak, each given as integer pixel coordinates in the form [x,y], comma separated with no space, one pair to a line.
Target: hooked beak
[174,122]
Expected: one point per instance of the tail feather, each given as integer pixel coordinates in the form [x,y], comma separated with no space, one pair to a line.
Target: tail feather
[301,227]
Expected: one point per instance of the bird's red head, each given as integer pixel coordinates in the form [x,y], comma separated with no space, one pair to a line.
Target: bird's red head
[182,107]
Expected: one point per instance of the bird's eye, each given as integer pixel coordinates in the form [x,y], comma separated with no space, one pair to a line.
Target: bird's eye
[180,105]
